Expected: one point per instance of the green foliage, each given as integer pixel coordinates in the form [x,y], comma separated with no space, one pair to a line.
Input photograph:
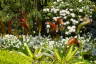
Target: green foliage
[37,53]
[10,8]
[12,57]
[57,55]
[66,57]
[71,53]
[58,58]
[31,9]
[28,50]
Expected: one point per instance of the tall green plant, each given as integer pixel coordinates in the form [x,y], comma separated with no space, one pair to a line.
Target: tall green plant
[68,57]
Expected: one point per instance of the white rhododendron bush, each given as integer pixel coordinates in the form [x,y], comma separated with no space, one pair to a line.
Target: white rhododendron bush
[72,11]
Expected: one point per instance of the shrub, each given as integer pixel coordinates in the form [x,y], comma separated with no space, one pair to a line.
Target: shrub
[72,11]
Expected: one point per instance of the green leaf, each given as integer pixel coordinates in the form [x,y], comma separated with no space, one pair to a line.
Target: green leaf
[57,55]
[28,50]
[38,53]
[71,53]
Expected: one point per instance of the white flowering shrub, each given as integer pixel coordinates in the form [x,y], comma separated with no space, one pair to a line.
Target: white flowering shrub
[46,43]
[87,47]
[71,11]
[10,41]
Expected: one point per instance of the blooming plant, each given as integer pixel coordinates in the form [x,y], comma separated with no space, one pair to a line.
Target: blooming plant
[51,51]
[72,11]
[10,41]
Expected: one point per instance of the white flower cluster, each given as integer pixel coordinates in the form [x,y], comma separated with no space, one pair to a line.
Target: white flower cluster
[72,16]
[54,10]
[87,45]
[46,9]
[80,0]
[64,12]
[70,29]
[10,41]
[59,0]
[74,21]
